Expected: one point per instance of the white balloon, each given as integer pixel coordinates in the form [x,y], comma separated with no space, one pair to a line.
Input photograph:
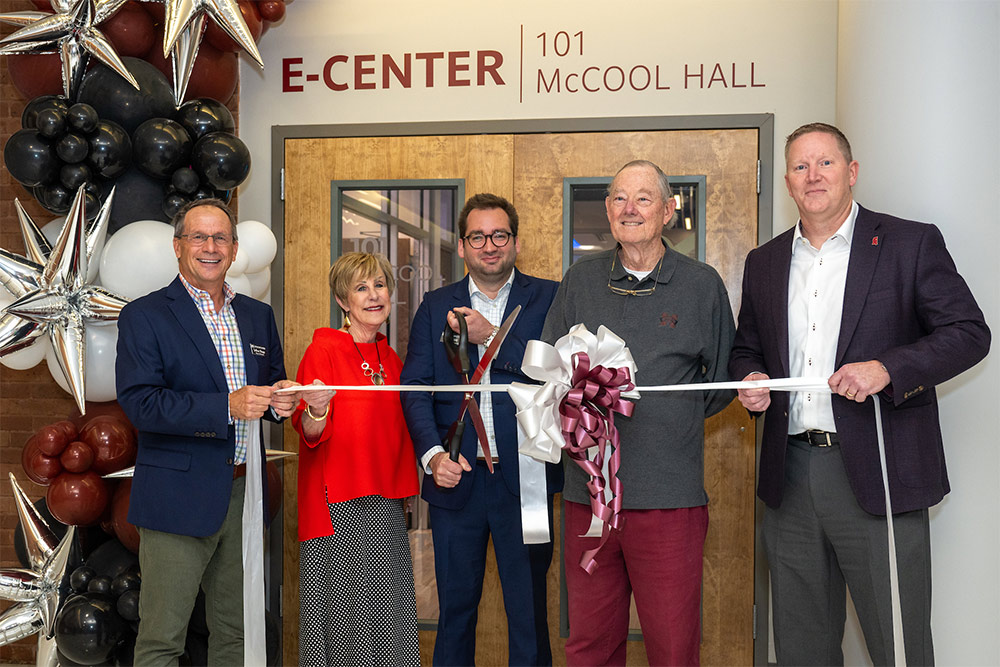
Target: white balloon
[259,243]
[241,262]
[52,229]
[139,258]
[259,282]
[29,356]
[240,284]
[99,373]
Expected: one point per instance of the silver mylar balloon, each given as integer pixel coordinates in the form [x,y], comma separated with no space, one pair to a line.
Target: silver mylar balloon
[38,592]
[72,33]
[56,298]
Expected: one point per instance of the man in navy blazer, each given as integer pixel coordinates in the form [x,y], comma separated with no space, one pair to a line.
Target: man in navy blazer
[467,503]
[196,365]
[875,304]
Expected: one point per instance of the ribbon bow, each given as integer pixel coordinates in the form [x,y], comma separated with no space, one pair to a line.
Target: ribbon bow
[586,381]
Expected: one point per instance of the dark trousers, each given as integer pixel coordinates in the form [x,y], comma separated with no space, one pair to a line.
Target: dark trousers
[820,539]
[460,542]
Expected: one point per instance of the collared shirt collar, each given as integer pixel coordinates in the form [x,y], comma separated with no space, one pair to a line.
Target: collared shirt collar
[474,288]
[845,231]
[202,297]
[666,271]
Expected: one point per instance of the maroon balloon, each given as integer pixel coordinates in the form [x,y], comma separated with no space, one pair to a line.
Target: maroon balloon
[113,443]
[126,533]
[43,5]
[78,499]
[131,30]
[110,408]
[68,428]
[35,74]
[271,10]
[220,39]
[52,439]
[39,467]
[215,75]
[77,457]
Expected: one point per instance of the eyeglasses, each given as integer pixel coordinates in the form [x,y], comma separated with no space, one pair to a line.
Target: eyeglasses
[477,240]
[634,292]
[200,239]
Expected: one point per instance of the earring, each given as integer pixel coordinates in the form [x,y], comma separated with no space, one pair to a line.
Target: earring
[347,320]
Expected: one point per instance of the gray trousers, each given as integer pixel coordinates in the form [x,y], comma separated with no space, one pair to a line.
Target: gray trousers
[173,568]
[818,540]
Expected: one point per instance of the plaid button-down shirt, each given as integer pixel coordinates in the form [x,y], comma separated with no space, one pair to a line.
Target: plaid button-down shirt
[225,333]
[492,310]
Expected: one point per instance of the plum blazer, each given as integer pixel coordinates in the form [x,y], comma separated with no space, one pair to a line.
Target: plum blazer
[905,305]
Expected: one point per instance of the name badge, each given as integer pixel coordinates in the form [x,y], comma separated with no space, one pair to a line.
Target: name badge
[258,350]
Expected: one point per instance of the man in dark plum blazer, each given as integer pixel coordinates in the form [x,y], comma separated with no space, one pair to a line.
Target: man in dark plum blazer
[197,364]
[468,505]
[875,304]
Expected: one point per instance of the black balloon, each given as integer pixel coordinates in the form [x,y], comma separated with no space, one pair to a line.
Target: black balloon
[82,117]
[30,114]
[173,203]
[56,198]
[203,193]
[73,176]
[116,100]
[160,146]
[92,205]
[51,123]
[88,628]
[221,159]
[111,558]
[137,197]
[224,195]
[110,149]
[128,605]
[72,148]
[80,578]
[30,159]
[126,581]
[99,584]
[185,180]
[203,116]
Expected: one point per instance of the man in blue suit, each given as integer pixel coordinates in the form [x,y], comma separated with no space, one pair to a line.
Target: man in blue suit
[467,503]
[197,365]
[875,304]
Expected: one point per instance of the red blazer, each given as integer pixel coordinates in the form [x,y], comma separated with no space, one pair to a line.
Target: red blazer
[904,304]
[364,448]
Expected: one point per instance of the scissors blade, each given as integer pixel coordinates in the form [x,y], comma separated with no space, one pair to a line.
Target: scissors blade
[477,421]
[491,351]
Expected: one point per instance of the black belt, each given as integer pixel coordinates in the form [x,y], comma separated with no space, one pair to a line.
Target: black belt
[481,460]
[817,438]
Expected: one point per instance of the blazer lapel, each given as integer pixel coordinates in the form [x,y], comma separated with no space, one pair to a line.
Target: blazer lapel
[193,326]
[246,325]
[865,249]
[460,297]
[781,265]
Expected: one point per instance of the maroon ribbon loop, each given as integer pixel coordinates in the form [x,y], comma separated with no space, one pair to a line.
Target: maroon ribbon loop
[588,420]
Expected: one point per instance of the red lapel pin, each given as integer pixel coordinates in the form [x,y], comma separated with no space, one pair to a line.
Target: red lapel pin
[874,240]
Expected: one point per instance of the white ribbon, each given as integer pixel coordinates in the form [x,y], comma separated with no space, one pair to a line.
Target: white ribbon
[254,629]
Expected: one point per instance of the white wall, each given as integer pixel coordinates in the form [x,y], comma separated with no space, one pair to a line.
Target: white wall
[918,94]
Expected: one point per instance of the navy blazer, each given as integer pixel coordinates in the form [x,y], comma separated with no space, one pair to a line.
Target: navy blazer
[429,416]
[904,304]
[172,386]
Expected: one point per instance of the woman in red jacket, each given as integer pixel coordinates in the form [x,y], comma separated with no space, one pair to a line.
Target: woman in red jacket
[356,468]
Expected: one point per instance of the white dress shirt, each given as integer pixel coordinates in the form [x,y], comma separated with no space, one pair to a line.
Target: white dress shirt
[815,304]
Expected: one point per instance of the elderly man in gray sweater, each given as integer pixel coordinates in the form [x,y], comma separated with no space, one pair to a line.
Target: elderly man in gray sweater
[674,314]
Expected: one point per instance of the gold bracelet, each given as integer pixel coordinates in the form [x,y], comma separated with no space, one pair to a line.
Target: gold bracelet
[314,417]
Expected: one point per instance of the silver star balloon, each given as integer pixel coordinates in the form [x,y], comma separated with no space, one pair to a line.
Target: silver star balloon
[37,591]
[62,300]
[71,32]
[184,25]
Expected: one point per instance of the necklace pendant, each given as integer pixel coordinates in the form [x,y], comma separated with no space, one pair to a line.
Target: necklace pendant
[377,379]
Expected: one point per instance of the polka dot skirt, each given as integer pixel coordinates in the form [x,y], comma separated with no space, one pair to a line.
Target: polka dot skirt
[356,600]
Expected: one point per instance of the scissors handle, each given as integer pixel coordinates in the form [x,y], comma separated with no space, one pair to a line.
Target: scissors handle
[457,345]
[454,439]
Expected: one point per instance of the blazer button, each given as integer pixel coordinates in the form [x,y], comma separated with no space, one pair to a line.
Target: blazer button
[213,434]
[229,462]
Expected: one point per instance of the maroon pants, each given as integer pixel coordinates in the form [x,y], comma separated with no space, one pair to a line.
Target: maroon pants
[657,556]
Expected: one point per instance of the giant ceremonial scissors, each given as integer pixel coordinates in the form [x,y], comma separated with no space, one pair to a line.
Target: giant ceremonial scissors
[457,347]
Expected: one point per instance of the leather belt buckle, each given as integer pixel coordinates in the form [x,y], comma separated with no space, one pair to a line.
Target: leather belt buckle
[817,438]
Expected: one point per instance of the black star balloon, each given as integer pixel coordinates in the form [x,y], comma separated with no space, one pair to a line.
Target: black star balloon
[58,297]
[72,33]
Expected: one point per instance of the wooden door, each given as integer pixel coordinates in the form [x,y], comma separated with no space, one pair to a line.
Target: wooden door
[529,169]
